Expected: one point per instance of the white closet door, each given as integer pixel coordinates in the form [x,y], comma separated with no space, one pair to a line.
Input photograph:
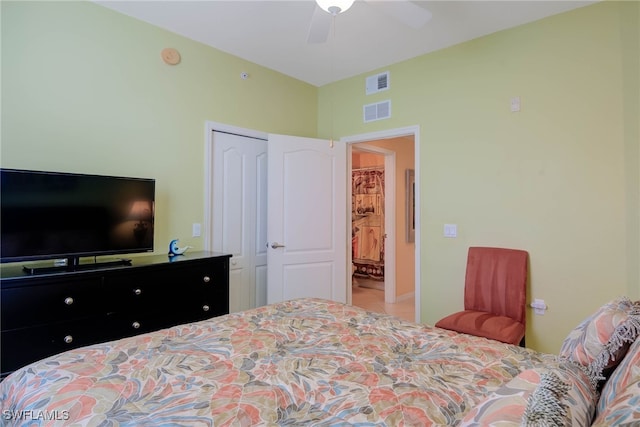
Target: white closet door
[240,215]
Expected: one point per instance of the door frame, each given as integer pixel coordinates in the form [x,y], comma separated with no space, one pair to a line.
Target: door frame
[385,134]
[389,217]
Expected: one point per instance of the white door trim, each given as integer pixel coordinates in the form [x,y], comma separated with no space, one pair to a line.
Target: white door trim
[389,218]
[394,133]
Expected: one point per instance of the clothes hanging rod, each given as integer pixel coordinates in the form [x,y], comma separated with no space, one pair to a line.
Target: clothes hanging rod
[371,168]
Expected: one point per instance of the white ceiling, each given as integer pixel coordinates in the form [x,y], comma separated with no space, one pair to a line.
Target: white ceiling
[273,33]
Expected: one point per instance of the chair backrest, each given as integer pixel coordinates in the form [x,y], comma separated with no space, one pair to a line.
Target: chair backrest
[496,281]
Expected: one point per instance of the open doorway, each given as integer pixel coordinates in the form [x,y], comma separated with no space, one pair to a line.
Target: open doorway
[383,280]
[368,218]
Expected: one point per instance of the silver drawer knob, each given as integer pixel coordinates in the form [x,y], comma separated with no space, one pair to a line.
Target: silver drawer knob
[137,291]
[68,300]
[135,325]
[68,339]
[206,279]
[205,307]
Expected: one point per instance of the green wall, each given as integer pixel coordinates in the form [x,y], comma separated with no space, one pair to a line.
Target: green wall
[558,179]
[84,89]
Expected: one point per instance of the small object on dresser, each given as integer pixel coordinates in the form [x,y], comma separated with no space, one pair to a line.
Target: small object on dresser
[175,250]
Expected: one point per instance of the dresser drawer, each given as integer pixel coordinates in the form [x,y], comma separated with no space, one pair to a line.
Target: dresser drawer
[139,293]
[130,324]
[23,346]
[164,290]
[60,300]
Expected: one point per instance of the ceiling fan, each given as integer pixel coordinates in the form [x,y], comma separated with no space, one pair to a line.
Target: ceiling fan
[403,10]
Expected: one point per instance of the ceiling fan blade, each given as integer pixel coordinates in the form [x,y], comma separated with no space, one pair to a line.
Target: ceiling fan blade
[404,11]
[320,26]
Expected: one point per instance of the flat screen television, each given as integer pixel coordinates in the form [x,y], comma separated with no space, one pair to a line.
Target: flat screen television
[66,216]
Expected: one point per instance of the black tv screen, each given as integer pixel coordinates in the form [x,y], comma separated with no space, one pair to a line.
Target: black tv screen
[56,215]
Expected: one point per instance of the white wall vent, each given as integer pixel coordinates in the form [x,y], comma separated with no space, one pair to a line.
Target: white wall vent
[377,83]
[377,111]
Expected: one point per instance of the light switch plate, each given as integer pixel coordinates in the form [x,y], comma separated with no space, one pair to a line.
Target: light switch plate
[450,230]
[515,104]
[196,230]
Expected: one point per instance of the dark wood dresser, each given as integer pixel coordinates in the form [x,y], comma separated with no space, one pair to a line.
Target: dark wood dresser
[45,314]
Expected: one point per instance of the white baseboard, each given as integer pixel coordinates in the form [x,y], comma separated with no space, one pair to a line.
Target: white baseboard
[406,296]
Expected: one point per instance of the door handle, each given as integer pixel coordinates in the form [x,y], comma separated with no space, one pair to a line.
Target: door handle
[276,245]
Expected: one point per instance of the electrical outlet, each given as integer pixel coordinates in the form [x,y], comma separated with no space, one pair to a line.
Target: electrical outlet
[539,306]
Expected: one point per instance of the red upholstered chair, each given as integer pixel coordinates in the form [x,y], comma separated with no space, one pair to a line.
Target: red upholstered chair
[495,291]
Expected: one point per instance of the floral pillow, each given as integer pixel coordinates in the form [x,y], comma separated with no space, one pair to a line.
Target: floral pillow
[600,342]
[564,396]
[627,372]
[623,409]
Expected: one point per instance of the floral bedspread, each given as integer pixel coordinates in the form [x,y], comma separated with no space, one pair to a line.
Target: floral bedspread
[301,362]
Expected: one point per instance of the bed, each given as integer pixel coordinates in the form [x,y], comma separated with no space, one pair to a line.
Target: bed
[301,362]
